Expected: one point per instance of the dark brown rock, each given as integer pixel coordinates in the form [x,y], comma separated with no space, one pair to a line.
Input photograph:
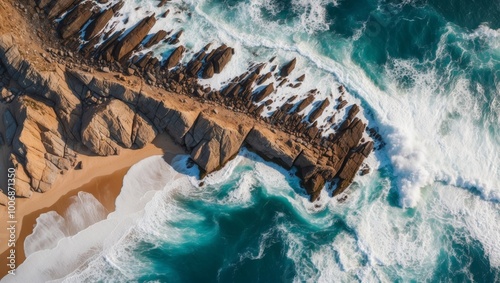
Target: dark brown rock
[264,92]
[74,20]
[175,57]
[159,36]
[304,103]
[98,24]
[318,111]
[288,68]
[209,70]
[133,38]
[57,7]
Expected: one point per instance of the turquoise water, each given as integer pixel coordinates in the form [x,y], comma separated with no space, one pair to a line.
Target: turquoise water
[427,75]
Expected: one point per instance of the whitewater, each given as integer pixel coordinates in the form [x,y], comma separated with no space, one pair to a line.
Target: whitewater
[427,79]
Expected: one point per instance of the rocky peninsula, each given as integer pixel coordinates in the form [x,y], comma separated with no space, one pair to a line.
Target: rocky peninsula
[82,92]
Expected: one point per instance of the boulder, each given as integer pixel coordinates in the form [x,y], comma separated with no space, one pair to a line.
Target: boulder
[98,24]
[349,169]
[159,36]
[108,127]
[304,103]
[57,7]
[212,141]
[74,20]
[288,68]
[318,111]
[209,71]
[130,42]
[221,59]
[314,185]
[266,144]
[264,92]
[175,119]
[175,57]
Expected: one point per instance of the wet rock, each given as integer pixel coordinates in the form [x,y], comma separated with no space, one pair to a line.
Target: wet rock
[96,26]
[74,20]
[175,57]
[264,92]
[318,111]
[159,36]
[133,38]
[288,68]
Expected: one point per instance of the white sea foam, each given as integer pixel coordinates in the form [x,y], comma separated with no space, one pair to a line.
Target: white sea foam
[83,211]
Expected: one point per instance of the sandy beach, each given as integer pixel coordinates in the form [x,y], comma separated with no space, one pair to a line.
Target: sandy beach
[100,176]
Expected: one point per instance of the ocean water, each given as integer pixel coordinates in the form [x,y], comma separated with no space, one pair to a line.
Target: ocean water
[427,77]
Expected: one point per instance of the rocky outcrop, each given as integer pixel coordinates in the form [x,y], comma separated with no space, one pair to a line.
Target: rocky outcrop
[304,103]
[159,36]
[48,85]
[217,60]
[273,148]
[108,127]
[264,92]
[351,167]
[318,111]
[40,144]
[74,20]
[175,57]
[213,142]
[288,68]
[98,23]
[143,131]
[130,42]
[174,118]
[57,7]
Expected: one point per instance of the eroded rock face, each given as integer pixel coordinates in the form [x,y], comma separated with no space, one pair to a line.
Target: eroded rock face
[213,142]
[108,127]
[133,38]
[175,119]
[143,131]
[49,85]
[39,142]
[98,23]
[267,144]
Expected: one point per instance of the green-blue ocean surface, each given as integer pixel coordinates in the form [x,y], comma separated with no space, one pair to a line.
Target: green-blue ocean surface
[427,76]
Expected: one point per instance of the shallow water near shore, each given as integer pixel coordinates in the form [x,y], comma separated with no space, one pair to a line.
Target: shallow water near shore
[427,75]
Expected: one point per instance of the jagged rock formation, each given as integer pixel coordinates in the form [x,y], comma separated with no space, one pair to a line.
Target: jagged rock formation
[265,143]
[106,113]
[212,142]
[130,42]
[108,127]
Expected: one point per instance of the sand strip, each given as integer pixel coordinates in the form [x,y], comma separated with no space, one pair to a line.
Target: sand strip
[100,176]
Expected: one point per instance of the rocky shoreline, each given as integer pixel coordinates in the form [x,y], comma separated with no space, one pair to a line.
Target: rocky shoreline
[53,114]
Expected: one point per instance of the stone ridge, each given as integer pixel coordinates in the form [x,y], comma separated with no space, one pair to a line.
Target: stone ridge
[100,114]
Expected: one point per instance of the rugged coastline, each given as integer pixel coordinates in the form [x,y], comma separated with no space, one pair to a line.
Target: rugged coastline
[55,114]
